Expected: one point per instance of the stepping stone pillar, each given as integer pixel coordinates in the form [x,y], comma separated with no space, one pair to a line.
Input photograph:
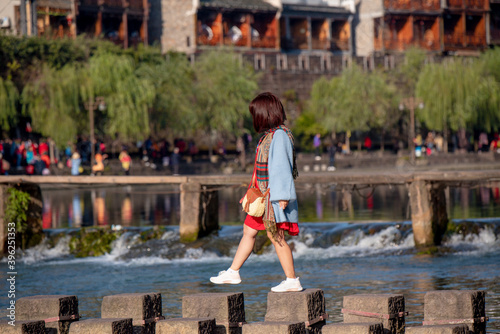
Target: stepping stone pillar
[275,327]
[144,308]
[228,309]
[58,311]
[306,306]
[102,326]
[389,309]
[354,328]
[22,327]
[186,326]
[438,329]
[456,307]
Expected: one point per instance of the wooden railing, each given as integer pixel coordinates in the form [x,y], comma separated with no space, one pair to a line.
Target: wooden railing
[495,34]
[266,42]
[340,45]
[454,40]
[112,3]
[474,40]
[318,44]
[455,3]
[241,42]
[412,5]
[397,44]
[475,4]
[136,4]
[203,40]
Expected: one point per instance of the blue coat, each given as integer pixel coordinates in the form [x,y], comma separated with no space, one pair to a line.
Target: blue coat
[281,183]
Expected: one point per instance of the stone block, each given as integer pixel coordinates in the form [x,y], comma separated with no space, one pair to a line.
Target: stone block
[389,309]
[102,326]
[306,306]
[58,311]
[354,328]
[186,326]
[228,309]
[22,327]
[145,309]
[456,306]
[438,329]
[275,327]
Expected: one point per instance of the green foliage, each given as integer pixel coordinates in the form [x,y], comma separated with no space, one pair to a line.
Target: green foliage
[8,102]
[409,72]
[457,95]
[92,242]
[223,88]
[355,100]
[173,101]
[17,208]
[127,96]
[52,100]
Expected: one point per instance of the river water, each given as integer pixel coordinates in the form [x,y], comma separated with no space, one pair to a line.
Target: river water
[349,244]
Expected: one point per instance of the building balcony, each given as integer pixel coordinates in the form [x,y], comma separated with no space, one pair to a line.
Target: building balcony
[397,44]
[429,45]
[454,40]
[495,35]
[412,5]
[136,4]
[455,4]
[266,42]
[340,45]
[476,4]
[475,40]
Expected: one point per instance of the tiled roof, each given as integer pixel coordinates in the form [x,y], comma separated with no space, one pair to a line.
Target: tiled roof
[239,4]
[292,8]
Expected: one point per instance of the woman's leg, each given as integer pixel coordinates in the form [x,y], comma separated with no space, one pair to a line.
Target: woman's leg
[245,247]
[284,253]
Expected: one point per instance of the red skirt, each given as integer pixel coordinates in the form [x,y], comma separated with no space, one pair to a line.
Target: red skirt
[257,224]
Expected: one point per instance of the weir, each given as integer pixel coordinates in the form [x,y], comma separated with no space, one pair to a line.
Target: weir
[451,311]
[199,194]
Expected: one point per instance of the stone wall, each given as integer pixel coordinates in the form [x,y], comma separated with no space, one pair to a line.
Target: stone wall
[178,25]
[367,10]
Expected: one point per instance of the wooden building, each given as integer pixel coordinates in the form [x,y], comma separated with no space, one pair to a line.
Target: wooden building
[124,22]
[255,26]
[441,26]
[494,33]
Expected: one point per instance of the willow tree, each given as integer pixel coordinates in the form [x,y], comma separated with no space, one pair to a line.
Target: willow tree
[9,97]
[223,87]
[355,100]
[52,100]
[456,96]
[172,109]
[128,97]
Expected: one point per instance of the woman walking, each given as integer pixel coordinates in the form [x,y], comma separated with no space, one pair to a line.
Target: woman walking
[275,170]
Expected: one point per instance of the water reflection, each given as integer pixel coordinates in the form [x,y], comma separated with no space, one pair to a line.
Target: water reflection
[159,204]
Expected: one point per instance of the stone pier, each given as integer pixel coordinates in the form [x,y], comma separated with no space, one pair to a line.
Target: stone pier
[199,211]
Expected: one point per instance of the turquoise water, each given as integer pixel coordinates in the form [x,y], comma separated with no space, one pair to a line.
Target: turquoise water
[346,246]
[339,258]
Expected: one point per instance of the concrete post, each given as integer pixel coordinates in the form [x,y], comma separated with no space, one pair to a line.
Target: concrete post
[199,211]
[307,306]
[438,329]
[58,311]
[102,326]
[386,308]
[228,309]
[428,213]
[186,326]
[144,308]
[354,328]
[275,327]
[22,327]
[455,306]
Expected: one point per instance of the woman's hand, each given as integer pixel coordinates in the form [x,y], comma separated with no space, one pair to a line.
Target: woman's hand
[283,204]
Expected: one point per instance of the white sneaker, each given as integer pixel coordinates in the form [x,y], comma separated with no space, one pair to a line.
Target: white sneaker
[226,277]
[288,286]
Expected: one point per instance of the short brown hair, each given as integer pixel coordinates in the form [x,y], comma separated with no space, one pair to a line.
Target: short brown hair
[267,112]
